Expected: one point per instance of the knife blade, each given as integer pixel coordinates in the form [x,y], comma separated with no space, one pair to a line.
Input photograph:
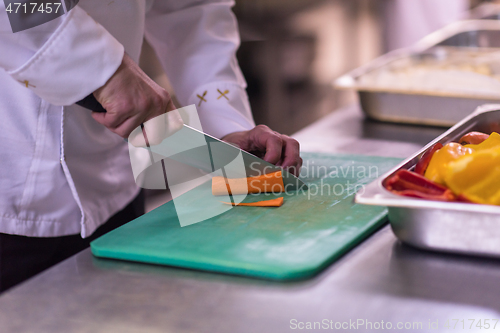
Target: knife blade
[197,149]
[221,153]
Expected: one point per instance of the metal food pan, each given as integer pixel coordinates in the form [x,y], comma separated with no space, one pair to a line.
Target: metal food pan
[425,107]
[485,11]
[442,226]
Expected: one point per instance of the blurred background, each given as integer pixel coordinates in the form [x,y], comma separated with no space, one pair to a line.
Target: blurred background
[292,50]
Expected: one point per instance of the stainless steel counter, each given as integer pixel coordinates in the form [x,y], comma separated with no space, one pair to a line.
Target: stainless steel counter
[379,281]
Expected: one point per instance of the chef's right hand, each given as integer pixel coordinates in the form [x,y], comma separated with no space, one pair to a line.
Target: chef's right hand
[130,98]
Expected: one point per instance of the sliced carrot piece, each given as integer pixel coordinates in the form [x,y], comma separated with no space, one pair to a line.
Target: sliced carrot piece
[265,203]
[271,182]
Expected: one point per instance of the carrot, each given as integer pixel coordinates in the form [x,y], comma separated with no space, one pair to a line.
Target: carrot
[271,182]
[266,203]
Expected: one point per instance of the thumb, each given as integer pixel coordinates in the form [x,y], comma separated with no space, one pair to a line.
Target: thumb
[99,117]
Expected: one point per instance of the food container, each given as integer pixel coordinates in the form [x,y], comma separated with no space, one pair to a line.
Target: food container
[442,226]
[433,104]
[485,11]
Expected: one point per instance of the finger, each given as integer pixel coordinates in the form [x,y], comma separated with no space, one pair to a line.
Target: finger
[273,148]
[299,168]
[263,141]
[99,117]
[163,126]
[160,120]
[127,126]
[112,119]
[170,105]
[137,138]
[291,151]
[291,155]
[295,170]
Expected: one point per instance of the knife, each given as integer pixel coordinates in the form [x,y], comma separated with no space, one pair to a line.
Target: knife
[205,152]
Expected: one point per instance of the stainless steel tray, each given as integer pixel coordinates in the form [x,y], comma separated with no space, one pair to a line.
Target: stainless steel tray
[485,11]
[429,108]
[442,226]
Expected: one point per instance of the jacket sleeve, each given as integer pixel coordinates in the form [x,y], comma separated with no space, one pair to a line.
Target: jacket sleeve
[196,42]
[63,60]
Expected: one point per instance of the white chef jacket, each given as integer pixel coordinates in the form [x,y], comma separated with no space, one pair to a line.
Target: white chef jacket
[63,173]
[407,21]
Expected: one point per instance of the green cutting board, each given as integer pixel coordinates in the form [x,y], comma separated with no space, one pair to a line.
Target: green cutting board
[294,241]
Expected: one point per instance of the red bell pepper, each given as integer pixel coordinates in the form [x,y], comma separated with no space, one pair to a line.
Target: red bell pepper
[424,161]
[411,184]
[473,138]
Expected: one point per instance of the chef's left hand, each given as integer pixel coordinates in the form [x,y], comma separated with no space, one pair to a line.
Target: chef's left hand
[273,147]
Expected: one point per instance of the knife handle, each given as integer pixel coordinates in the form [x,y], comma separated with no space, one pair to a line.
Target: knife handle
[91,103]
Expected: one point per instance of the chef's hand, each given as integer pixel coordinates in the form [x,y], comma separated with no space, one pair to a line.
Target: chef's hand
[130,98]
[273,147]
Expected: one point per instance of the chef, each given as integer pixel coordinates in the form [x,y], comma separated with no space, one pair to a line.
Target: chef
[65,171]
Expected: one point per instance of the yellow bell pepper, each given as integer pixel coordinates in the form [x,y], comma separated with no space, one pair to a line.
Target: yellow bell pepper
[476,176]
[472,170]
[437,168]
